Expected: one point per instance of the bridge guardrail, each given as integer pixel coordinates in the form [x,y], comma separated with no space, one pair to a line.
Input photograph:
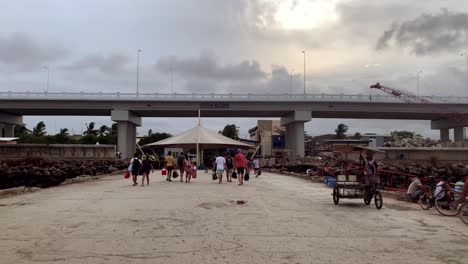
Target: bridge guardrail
[219,97]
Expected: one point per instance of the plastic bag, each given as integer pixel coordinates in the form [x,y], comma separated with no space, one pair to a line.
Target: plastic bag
[246,177]
[175,174]
[234,175]
[215,177]
[127,174]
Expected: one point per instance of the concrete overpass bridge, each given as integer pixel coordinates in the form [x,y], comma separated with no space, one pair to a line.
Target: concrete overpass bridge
[294,110]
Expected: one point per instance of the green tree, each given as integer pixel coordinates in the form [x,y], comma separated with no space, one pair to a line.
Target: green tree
[90,130]
[104,130]
[63,137]
[114,129]
[21,131]
[357,135]
[341,131]
[230,131]
[153,138]
[39,130]
[88,139]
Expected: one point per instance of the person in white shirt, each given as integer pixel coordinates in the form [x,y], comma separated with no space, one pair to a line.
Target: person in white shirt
[414,190]
[256,165]
[220,166]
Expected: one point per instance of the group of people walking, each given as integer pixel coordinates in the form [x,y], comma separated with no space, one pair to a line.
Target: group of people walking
[184,164]
[140,167]
[233,165]
[237,165]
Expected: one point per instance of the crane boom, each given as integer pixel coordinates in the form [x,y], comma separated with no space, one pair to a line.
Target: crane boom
[412,98]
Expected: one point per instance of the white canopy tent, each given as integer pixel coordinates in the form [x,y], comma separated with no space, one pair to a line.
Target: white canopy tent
[201,138]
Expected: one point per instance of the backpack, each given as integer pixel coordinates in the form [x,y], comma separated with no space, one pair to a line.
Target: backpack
[136,164]
[180,160]
[229,161]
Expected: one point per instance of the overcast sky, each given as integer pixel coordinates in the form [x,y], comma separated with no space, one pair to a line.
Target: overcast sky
[236,46]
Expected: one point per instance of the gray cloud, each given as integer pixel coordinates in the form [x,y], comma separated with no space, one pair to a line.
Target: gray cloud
[428,33]
[207,67]
[25,54]
[107,64]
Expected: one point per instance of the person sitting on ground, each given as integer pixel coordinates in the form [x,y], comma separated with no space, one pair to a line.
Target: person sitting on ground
[414,190]
[169,165]
[464,192]
[180,164]
[439,192]
[220,166]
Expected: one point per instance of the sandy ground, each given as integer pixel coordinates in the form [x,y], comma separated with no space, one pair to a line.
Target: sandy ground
[285,220]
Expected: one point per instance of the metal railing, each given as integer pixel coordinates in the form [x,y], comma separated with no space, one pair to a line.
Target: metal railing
[105,96]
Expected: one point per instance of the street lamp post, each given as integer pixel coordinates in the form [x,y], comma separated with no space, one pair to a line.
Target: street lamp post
[304,71]
[138,70]
[172,79]
[466,55]
[48,77]
[417,81]
[291,79]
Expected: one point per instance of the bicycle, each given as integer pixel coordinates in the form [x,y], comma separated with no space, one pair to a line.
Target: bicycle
[371,191]
[444,203]
[463,213]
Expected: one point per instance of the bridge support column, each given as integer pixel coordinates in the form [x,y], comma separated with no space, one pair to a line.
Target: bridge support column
[445,135]
[7,124]
[127,122]
[459,135]
[294,123]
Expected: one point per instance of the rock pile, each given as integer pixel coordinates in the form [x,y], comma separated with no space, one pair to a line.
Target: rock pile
[45,173]
[413,142]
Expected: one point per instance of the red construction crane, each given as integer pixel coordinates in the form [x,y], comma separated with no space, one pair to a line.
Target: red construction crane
[412,98]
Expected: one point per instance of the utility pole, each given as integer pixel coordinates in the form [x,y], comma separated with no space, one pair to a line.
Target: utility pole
[290,83]
[172,79]
[304,71]
[138,69]
[417,82]
[48,77]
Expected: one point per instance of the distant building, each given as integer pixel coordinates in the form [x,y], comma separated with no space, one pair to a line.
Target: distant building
[271,137]
[375,140]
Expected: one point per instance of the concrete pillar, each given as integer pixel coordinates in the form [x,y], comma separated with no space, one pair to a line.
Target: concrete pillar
[295,137]
[444,134]
[9,130]
[7,124]
[294,123]
[127,122]
[459,135]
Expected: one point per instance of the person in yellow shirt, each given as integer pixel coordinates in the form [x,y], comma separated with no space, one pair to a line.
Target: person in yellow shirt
[169,165]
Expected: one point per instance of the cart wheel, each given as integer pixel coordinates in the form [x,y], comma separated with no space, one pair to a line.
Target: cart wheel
[367,198]
[336,195]
[378,199]
[425,200]
[446,207]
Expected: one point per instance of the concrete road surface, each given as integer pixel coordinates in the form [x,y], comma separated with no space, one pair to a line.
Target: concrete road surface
[284,220]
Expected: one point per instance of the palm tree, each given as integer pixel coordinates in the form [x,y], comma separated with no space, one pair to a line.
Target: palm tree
[114,129]
[341,131]
[104,130]
[40,129]
[64,132]
[90,131]
[21,130]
